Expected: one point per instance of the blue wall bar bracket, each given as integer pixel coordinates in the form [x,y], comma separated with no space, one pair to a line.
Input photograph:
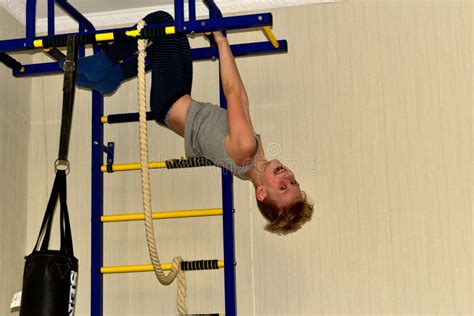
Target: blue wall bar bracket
[109,150]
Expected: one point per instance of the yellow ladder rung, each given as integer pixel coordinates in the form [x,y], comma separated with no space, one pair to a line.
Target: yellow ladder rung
[192,162]
[134,166]
[162,215]
[141,268]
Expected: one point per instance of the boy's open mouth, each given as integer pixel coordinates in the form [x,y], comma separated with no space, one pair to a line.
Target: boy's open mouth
[278,170]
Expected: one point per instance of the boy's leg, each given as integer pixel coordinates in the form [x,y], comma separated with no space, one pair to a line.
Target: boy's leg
[186,63]
[170,59]
[129,65]
[126,53]
[171,63]
[112,77]
[95,67]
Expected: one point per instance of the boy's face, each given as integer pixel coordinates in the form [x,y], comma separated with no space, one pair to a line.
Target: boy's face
[279,184]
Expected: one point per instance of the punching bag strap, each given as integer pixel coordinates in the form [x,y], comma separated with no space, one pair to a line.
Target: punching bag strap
[68,102]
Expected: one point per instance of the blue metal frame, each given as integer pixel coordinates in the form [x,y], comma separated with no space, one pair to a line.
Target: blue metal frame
[76,15]
[205,53]
[214,11]
[230,291]
[97,205]
[215,22]
[196,26]
[192,10]
[50,17]
[179,15]
[30,23]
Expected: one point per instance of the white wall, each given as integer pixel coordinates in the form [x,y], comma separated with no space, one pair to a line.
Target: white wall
[371,107]
[14,131]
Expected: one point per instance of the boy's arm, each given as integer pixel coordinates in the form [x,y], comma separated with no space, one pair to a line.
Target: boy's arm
[241,143]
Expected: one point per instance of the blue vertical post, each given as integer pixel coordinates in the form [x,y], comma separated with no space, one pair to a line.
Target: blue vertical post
[227,207]
[228,230]
[30,22]
[179,14]
[192,10]
[50,17]
[97,205]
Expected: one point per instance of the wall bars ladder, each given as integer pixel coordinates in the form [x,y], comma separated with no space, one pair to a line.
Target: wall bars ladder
[87,34]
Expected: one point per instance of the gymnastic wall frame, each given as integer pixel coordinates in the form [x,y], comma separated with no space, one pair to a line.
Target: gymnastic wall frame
[192,26]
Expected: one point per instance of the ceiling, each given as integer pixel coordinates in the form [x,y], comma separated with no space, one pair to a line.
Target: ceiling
[97,6]
[109,13]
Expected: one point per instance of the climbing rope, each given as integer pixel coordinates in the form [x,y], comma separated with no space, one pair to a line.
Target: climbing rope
[150,234]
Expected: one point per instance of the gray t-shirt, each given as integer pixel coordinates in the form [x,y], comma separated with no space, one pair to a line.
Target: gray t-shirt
[205,130]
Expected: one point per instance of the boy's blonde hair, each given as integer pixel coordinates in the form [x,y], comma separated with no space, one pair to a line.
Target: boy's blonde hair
[286,220]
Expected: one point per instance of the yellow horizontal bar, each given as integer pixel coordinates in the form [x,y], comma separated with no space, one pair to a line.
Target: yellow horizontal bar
[161,215]
[100,37]
[142,268]
[271,37]
[134,166]
[170,30]
[38,43]
[133,33]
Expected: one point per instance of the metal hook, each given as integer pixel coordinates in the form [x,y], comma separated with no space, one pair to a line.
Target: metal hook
[61,165]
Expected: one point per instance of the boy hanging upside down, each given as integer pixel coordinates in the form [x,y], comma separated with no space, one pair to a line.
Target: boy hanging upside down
[226,137]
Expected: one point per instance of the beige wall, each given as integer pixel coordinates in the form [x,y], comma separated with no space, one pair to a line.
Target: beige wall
[14,130]
[372,109]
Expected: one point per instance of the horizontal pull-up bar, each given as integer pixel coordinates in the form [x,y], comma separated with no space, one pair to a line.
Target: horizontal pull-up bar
[158,31]
[217,264]
[168,164]
[162,215]
[150,33]
[203,53]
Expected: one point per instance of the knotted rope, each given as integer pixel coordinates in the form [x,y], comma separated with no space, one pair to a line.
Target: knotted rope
[150,234]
